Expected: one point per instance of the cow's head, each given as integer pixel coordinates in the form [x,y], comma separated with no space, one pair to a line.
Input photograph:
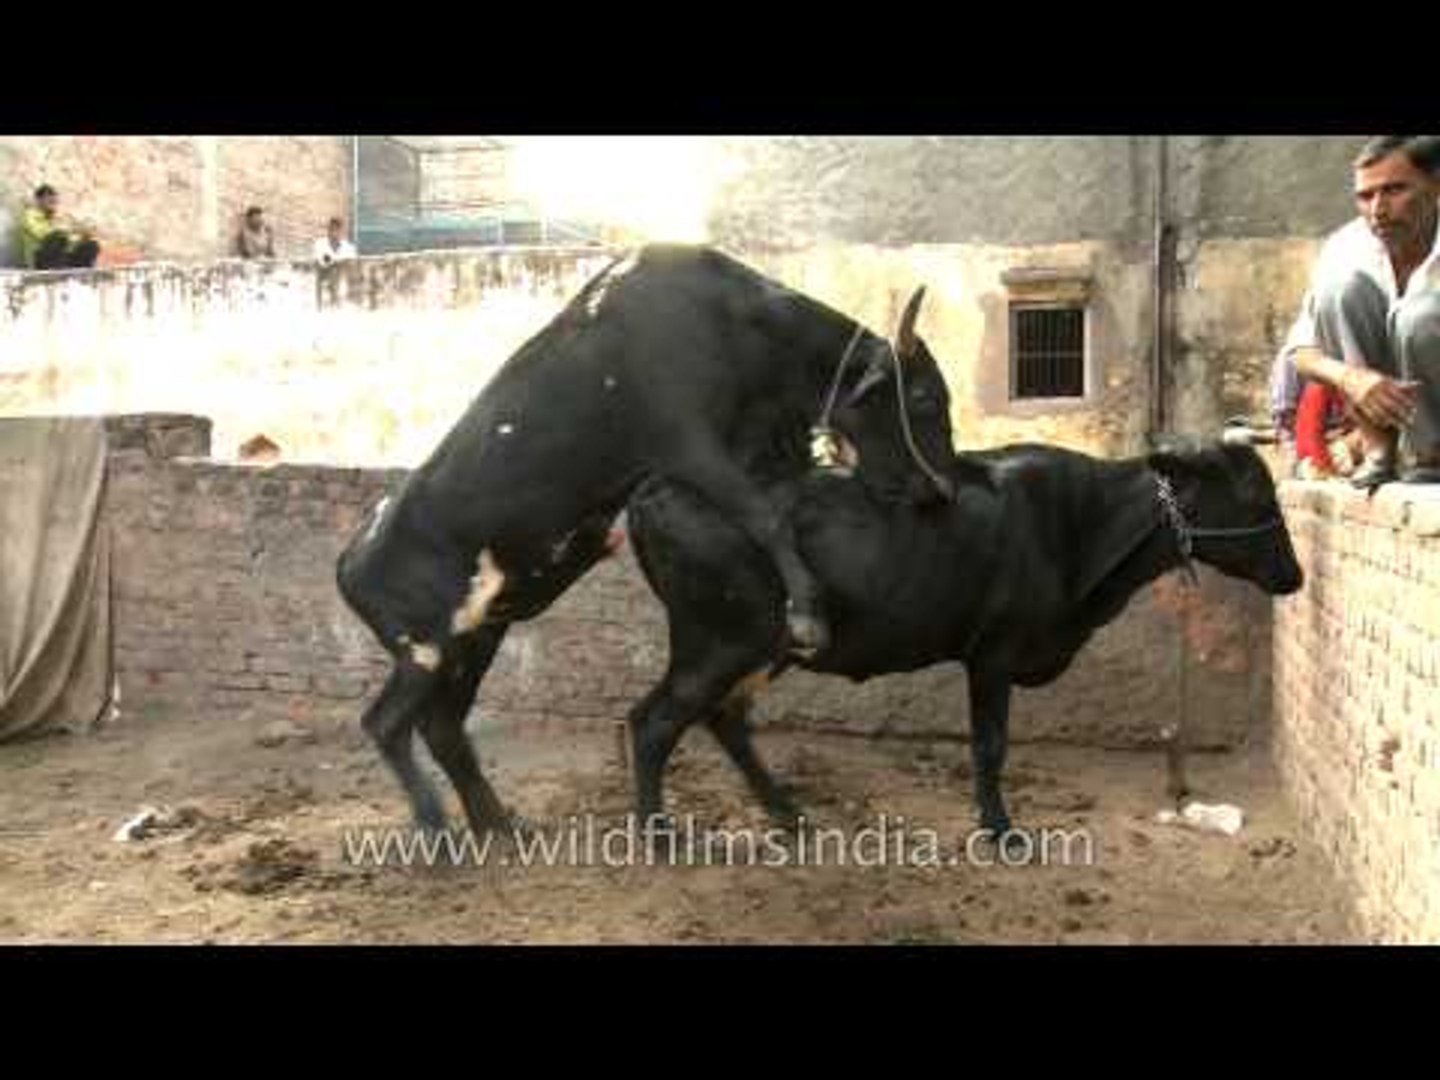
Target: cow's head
[896,413]
[1225,498]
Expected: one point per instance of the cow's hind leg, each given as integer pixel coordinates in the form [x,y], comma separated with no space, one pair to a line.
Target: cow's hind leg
[689,692]
[443,726]
[390,722]
[730,724]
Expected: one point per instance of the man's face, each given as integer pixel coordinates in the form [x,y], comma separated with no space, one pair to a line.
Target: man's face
[49,203]
[337,232]
[255,221]
[1397,201]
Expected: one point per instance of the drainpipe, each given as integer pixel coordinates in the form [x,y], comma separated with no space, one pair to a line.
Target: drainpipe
[355,191]
[1162,257]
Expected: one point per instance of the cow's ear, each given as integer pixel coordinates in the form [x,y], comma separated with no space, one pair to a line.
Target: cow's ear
[905,336]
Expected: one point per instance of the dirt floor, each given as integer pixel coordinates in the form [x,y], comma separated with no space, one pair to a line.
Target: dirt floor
[253,848]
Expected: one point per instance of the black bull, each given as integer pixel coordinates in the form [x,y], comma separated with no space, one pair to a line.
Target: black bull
[680,364]
[1040,549]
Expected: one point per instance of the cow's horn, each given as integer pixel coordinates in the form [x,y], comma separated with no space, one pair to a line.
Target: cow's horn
[905,336]
[1248,436]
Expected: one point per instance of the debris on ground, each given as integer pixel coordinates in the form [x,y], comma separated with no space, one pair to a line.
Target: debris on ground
[150,821]
[1203,817]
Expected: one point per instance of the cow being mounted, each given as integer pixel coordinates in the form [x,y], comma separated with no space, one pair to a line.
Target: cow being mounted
[677,363]
[1041,548]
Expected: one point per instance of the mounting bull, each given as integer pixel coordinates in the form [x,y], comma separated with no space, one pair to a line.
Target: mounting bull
[678,363]
[1040,548]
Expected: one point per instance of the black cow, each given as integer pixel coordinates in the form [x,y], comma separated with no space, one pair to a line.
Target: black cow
[679,363]
[1041,548]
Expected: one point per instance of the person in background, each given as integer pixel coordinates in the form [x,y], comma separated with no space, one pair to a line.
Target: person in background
[1328,444]
[333,247]
[255,241]
[47,242]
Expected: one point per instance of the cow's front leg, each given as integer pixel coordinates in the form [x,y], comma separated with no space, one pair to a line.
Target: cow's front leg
[989,742]
[731,492]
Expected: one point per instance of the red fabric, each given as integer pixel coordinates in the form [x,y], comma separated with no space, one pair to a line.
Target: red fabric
[1310,421]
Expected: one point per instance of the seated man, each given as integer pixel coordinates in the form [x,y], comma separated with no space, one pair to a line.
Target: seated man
[46,243]
[332,247]
[1370,323]
[255,240]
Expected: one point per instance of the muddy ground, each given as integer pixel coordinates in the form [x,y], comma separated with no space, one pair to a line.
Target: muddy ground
[253,848]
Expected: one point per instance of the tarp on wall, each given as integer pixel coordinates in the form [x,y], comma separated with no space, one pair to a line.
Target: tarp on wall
[56,645]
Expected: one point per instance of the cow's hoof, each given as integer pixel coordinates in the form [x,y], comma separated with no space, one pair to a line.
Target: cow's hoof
[1013,846]
[657,821]
[809,635]
[786,816]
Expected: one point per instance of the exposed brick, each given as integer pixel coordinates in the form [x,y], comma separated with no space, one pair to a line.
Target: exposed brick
[1355,673]
[330,686]
[288,684]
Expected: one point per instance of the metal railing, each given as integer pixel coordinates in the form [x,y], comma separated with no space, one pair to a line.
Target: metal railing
[395,212]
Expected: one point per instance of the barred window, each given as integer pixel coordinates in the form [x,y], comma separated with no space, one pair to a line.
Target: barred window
[1047,351]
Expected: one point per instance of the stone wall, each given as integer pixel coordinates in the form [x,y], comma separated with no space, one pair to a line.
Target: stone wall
[370,362]
[366,363]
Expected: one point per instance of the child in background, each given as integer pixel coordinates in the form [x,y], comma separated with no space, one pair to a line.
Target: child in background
[1327,443]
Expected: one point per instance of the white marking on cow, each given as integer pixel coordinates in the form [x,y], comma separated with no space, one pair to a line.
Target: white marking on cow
[489,579]
[505,429]
[379,516]
[425,655]
[595,299]
[611,382]
[558,549]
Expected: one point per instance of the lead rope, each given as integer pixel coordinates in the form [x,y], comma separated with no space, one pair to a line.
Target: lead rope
[824,448]
[1170,506]
[940,482]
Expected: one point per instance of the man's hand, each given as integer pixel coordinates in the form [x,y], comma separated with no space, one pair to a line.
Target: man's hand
[1379,398]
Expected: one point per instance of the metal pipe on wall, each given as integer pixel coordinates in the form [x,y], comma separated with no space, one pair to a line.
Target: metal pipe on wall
[355,191]
[1160,351]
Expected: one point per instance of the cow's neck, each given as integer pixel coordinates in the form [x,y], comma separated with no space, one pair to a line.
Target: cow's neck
[1141,548]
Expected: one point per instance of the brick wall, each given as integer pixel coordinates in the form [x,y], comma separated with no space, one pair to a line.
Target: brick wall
[1357,696]
[179,197]
[226,603]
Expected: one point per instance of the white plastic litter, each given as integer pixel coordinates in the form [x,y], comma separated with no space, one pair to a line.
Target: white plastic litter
[137,826]
[1204,817]
[149,820]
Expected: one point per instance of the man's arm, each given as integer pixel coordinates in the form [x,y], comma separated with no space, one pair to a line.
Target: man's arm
[1379,398]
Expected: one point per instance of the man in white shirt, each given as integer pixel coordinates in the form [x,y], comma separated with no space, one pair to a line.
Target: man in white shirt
[332,247]
[1370,323]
